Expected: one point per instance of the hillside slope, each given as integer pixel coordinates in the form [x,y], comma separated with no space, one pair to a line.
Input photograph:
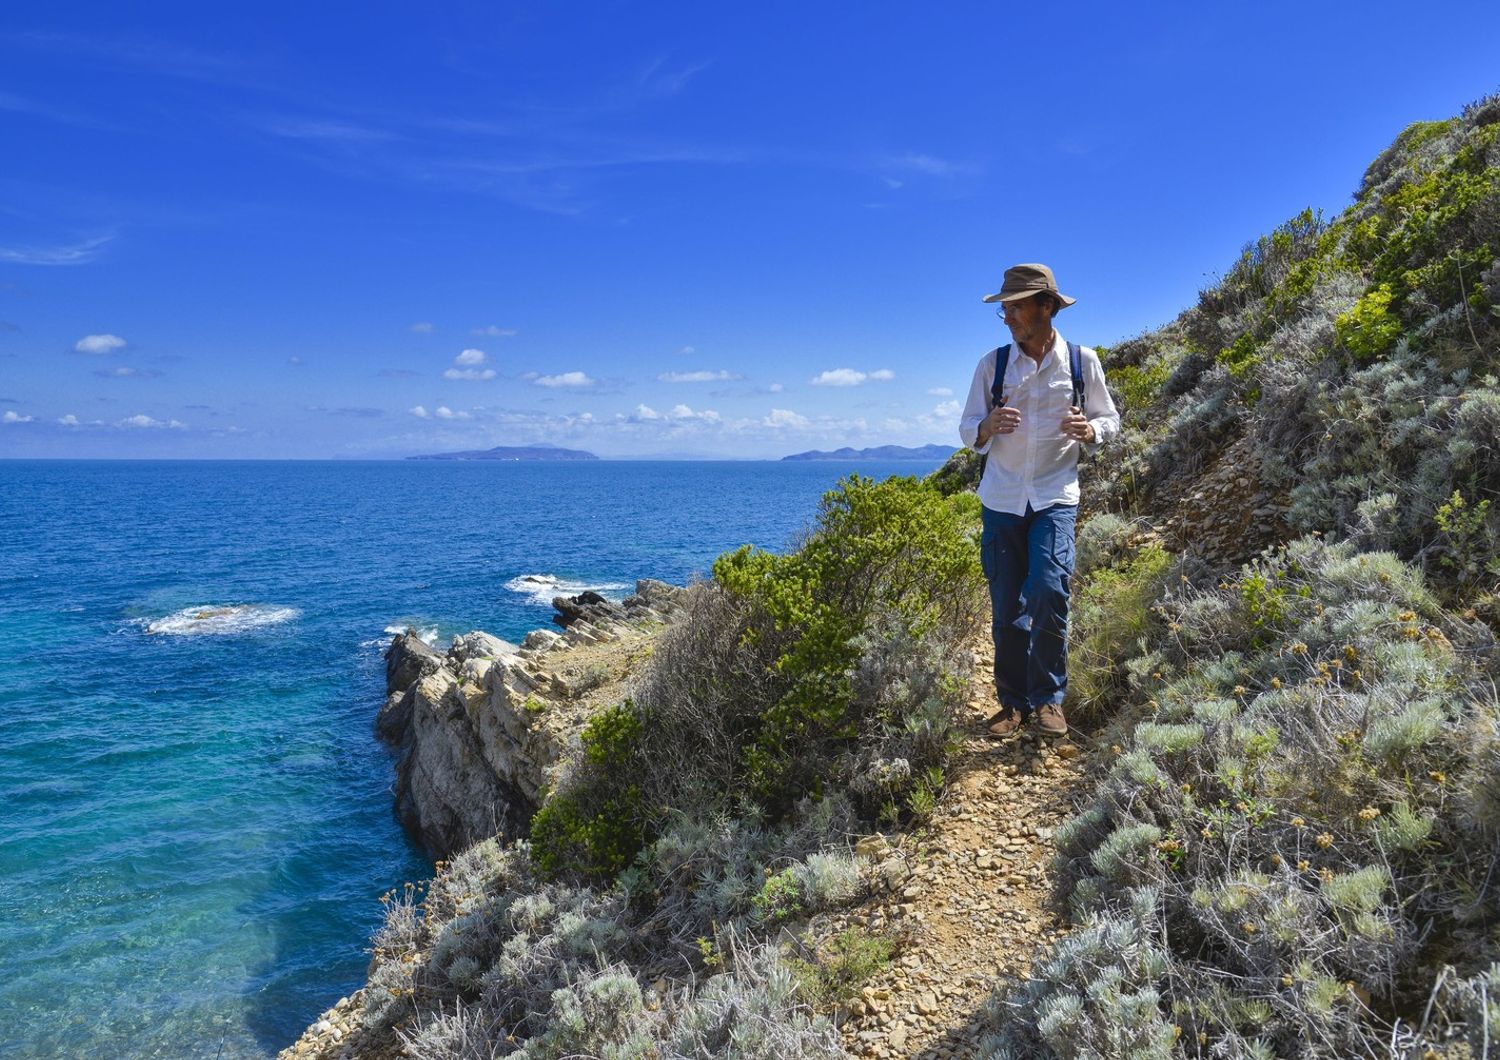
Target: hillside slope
[1288,811]
[1294,851]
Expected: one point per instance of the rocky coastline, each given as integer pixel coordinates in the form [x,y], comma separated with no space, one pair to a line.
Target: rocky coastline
[481,729]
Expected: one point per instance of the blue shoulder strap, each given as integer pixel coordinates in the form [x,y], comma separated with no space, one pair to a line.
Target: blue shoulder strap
[1002,364]
[1075,366]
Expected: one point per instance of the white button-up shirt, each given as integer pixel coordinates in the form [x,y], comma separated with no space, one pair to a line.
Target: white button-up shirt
[1037,464]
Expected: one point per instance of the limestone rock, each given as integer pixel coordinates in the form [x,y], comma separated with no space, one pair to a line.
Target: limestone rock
[408,660]
[479,645]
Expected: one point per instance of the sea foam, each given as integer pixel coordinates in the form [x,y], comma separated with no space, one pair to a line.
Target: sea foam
[542,588]
[219,619]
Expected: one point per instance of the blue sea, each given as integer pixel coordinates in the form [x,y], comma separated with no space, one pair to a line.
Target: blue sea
[195,818]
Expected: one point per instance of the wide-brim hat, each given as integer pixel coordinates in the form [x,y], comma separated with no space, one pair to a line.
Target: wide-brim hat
[1023,281]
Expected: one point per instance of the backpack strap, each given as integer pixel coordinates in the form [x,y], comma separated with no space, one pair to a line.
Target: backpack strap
[1002,365]
[1075,367]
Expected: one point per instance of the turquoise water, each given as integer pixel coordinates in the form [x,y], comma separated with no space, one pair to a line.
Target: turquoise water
[195,819]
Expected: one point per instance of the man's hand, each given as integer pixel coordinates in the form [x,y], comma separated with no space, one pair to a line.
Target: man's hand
[1076,426]
[1001,420]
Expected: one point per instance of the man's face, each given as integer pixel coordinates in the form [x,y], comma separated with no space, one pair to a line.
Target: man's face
[1028,320]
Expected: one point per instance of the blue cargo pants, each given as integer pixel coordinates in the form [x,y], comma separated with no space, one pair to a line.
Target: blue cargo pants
[1028,562]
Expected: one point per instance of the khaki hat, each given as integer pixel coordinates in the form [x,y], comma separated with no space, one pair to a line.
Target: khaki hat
[1023,281]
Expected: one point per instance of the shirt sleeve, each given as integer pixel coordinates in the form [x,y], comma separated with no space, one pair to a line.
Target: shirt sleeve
[1100,409]
[977,407]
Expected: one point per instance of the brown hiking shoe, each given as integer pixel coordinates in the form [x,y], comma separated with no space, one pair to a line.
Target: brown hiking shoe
[1050,720]
[1007,721]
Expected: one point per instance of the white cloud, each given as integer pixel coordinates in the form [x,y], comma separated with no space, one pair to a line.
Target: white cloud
[471,374]
[470,356]
[786,418]
[941,391]
[697,377]
[948,409]
[493,332]
[852,377]
[419,412]
[15,417]
[294,360]
[422,327]
[124,371]
[775,388]
[682,412]
[839,377]
[144,421]
[687,351]
[646,412]
[443,412]
[69,420]
[99,344]
[566,379]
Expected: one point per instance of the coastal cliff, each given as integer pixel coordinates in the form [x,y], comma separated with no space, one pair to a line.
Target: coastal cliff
[481,728]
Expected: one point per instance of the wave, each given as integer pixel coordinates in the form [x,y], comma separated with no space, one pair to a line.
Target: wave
[430,634]
[219,619]
[541,588]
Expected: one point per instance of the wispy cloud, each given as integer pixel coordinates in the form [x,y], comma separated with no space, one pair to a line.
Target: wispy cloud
[15,104]
[566,379]
[80,253]
[660,79]
[126,372]
[142,421]
[493,331]
[422,327]
[324,131]
[100,345]
[928,166]
[941,391]
[357,412]
[150,54]
[697,377]
[398,373]
[12,416]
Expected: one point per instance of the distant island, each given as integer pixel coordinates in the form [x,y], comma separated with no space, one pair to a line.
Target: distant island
[512,452]
[929,453]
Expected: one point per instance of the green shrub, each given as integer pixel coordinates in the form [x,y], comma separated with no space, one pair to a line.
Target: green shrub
[896,549]
[1369,329]
[836,970]
[1113,611]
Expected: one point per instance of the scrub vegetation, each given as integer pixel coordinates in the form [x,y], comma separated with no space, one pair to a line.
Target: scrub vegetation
[799,701]
[1293,845]
[1294,848]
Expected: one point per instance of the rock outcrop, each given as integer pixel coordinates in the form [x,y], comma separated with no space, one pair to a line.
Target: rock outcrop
[482,728]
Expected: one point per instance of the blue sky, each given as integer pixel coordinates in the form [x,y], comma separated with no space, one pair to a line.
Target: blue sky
[277,231]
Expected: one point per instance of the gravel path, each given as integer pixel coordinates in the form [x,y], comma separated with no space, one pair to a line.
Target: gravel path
[969,895]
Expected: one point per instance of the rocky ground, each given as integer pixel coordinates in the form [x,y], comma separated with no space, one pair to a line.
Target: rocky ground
[968,895]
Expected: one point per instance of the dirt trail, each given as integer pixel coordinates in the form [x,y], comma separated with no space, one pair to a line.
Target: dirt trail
[970,894]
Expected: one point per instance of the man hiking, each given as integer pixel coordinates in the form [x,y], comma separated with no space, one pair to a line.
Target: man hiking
[1033,406]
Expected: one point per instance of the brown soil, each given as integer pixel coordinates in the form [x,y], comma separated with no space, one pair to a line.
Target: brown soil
[969,895]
